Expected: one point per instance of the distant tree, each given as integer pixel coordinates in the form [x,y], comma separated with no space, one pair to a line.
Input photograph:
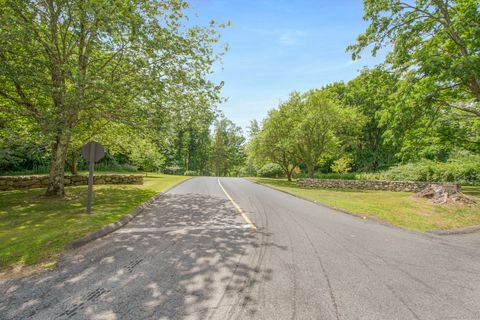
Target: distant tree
[275,142]
[146,155]
[227,151]
[252,165]
[305,129]
[323,127]
[253,128]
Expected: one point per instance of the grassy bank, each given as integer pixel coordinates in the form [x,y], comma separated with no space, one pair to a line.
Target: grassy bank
[397,208]
[34,229]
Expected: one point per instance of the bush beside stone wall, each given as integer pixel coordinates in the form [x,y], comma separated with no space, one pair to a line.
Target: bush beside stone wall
[39,181]
[406,186]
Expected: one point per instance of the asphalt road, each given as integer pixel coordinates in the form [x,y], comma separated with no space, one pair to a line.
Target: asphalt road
[193,256]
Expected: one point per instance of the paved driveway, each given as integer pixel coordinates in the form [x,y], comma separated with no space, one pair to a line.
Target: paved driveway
[192,256]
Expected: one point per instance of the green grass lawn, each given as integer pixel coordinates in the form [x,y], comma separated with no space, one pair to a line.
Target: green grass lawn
[35,229]
[397,208]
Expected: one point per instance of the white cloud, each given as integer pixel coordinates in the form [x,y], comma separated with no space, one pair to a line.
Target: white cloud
[292,37]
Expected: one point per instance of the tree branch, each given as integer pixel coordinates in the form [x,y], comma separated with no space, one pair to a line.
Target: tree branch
[470,110]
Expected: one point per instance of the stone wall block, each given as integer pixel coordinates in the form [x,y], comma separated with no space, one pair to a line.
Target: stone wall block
[41,181]
[404,186]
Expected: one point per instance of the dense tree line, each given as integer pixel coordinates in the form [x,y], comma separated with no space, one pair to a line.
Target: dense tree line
[357,126]
[203,151]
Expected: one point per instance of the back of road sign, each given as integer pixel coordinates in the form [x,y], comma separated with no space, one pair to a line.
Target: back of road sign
[92,151]
[98,151]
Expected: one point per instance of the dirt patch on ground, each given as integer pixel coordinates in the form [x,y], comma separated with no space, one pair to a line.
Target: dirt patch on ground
[20,271]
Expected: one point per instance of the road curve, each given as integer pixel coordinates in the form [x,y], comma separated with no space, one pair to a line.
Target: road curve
[192,255]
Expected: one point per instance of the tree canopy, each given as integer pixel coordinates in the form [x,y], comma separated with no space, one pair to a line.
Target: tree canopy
[305,129]
[68,66]
[434,44]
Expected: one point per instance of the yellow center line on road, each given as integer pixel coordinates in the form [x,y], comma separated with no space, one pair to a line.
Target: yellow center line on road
[244,216]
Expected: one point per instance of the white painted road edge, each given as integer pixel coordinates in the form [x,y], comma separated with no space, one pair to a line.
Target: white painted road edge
[244,216]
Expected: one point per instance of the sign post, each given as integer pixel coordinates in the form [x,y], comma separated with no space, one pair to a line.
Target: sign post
[92,152]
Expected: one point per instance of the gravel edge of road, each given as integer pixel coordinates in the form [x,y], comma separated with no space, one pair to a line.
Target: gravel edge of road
[447,232]
[109,228]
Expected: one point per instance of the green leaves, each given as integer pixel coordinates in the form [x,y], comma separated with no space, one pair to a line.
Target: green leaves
[71,65]
[305,129]
[435,42]
[227,150]
[76,61]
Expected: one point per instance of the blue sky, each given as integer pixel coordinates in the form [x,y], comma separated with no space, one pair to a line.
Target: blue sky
[280,46]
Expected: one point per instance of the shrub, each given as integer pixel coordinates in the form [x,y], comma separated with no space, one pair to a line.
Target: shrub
[174,170]
[242,172]
[461,170]
[342,165]
[464,170]
[343,176]
[191,173]
[247,171]
[111,167]
[270,170]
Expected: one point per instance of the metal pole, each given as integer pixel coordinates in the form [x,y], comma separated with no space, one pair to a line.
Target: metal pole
[90,177]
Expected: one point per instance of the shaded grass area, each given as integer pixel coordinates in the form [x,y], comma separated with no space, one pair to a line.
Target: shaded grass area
[35,229]
[397,208]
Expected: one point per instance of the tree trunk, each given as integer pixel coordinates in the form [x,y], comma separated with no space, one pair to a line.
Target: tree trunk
[72,165]
[311,171]
[56,182]
[289,175]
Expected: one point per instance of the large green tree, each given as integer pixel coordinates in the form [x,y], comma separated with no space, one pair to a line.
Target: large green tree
[68,62]
[323,127]
[305,129]
[370,93]
[275,142]
[434,44]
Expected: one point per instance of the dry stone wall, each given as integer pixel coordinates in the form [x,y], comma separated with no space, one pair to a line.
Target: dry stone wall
[41,181]
[406,186]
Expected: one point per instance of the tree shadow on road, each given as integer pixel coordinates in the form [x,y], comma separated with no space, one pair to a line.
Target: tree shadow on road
[187,256]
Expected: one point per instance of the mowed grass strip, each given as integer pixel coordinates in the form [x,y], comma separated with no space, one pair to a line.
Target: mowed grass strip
[34,229]
[397,208]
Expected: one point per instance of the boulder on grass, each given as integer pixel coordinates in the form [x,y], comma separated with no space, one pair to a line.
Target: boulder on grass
[444,193]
